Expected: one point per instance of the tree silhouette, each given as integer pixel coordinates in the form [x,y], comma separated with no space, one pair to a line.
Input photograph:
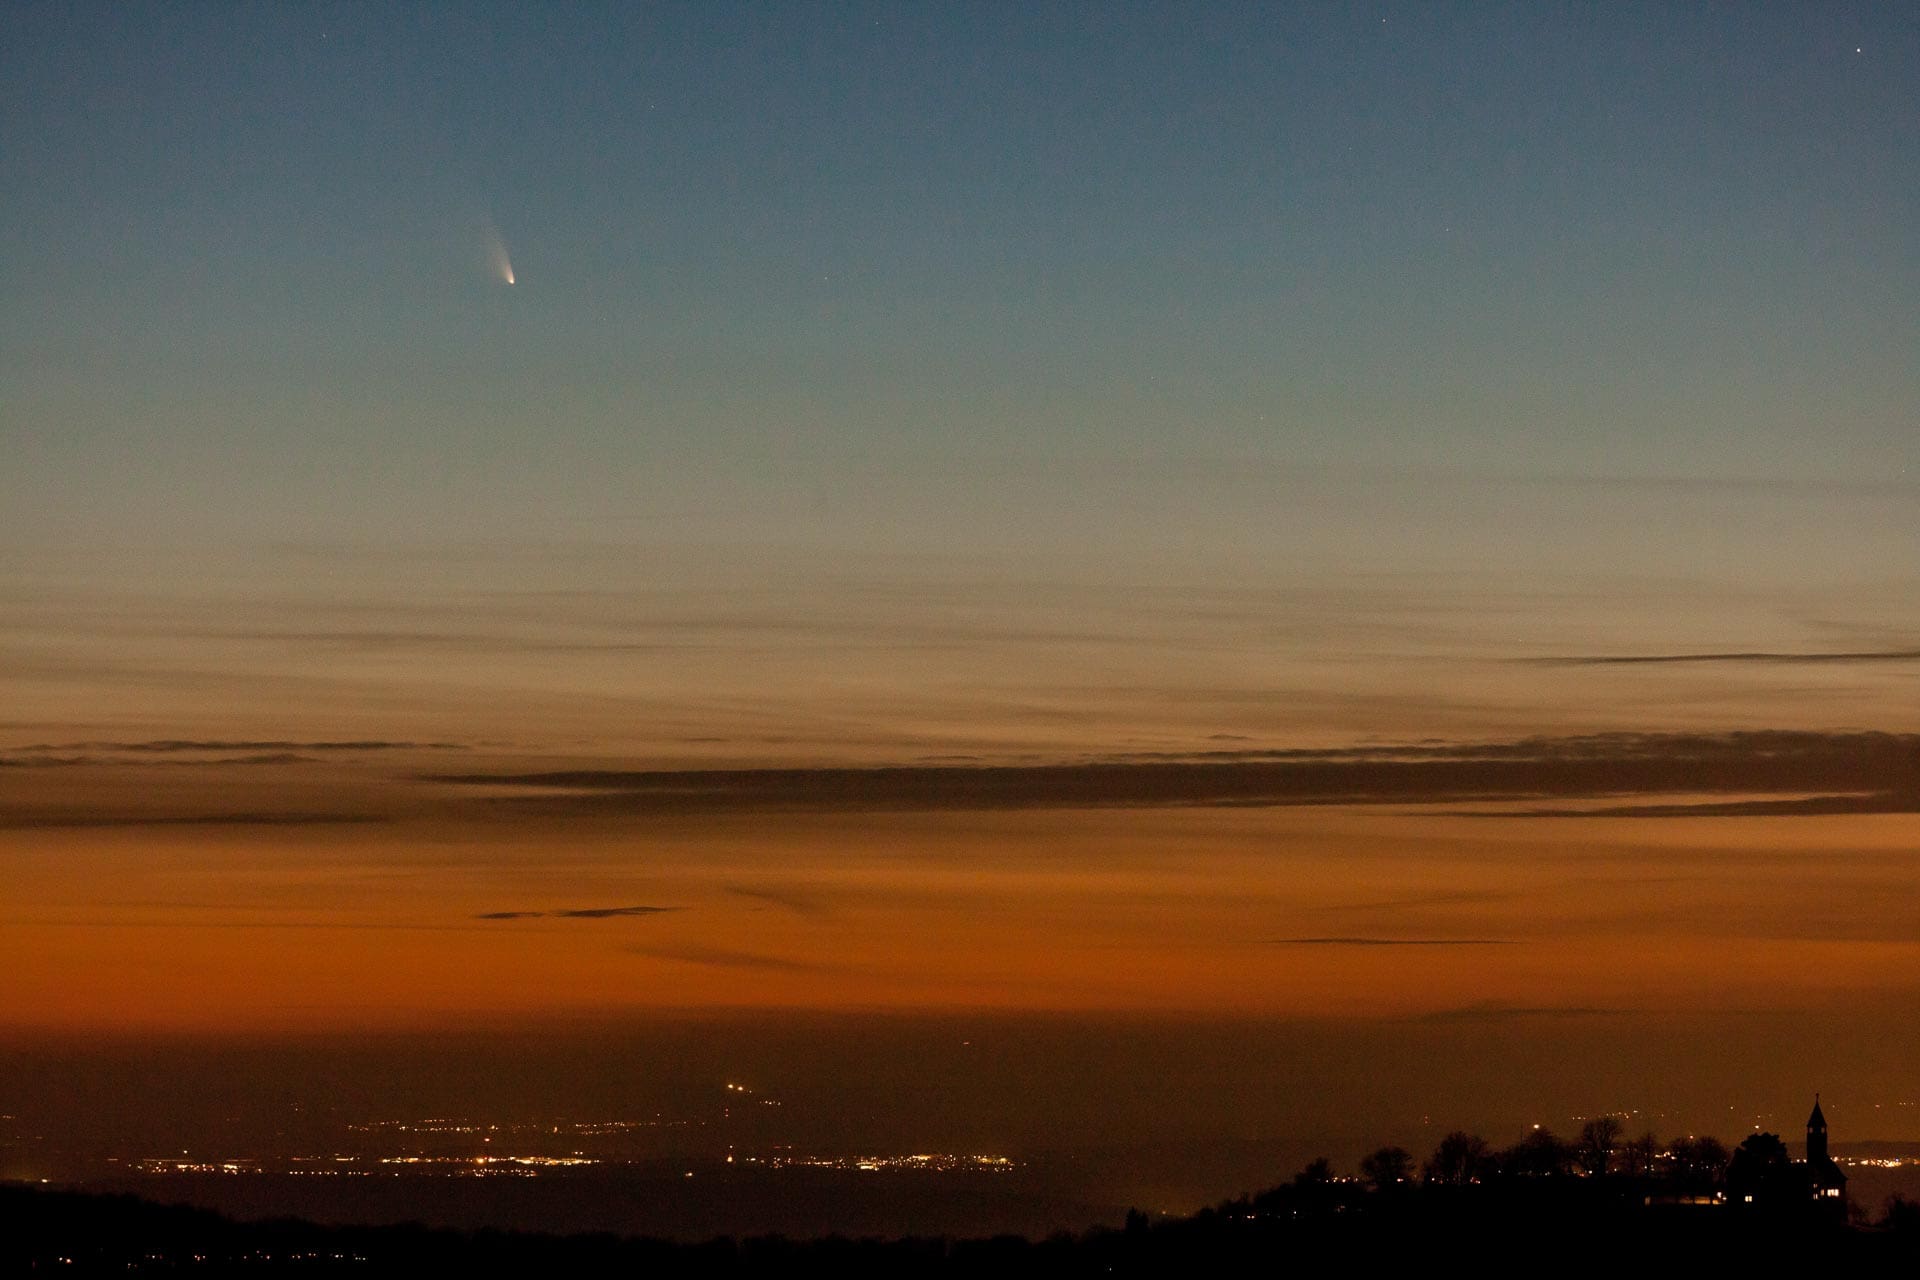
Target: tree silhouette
[1317,1173]
[1760,1171]
[1697,1162]
[1637,1157]
[1387,1168]
[1538,1155]
[1598,1138]
[1460,1158]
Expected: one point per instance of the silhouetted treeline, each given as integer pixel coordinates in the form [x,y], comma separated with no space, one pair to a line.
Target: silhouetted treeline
[1539,1205]
[1685,1164]
[1758,1177]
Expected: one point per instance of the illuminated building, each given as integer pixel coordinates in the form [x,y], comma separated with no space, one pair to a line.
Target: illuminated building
[1825,1183]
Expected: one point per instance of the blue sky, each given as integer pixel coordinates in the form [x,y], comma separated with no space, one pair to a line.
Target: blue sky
[1538,329]
[761,249]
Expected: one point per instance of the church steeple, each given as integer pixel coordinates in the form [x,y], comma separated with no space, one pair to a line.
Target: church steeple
[1816,1134]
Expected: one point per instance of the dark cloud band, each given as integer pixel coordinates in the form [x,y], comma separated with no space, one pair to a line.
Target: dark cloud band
[1595,766]
[576,913]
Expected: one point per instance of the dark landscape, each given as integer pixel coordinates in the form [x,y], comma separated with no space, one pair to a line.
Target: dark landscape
[1517,1212]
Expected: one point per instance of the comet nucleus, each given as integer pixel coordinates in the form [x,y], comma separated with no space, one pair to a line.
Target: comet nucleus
[497,260]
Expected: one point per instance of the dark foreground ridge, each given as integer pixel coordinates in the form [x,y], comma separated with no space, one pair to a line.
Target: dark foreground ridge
[1507,1227]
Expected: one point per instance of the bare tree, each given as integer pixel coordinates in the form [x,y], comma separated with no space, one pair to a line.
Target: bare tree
[1598,1138]
[1387,1168]
[1698,1162]
[1460,1158]
[1637,1157]
[1318,1173]
[1538,1155]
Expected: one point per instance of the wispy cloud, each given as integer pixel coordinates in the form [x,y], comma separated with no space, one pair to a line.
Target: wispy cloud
[1387,942]
[1493,1011]
[72,762]
[1791,807]
[609,913]
[798,903]
[1451,898]
[168,746]
[86,821]
[721,958]
[577,913]
[1742,656]
[382,641]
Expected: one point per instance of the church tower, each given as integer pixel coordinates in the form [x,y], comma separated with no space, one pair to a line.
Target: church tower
[1825,1182]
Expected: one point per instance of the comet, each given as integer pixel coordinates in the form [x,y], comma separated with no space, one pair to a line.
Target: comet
[498,263]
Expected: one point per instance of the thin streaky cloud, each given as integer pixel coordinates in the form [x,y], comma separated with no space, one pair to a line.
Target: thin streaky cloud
[798,903]
[165,746]
[576,913]
[609,913]
[264,757]
[1495,1012]
[1387,942]
[1423,900]
[720,958]
[384,640]
[192,762]
[82,822]
[1759,656]
[329,926]
[1790,807]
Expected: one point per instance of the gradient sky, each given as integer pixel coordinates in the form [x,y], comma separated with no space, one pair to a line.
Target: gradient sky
[828,274]
[959,386]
